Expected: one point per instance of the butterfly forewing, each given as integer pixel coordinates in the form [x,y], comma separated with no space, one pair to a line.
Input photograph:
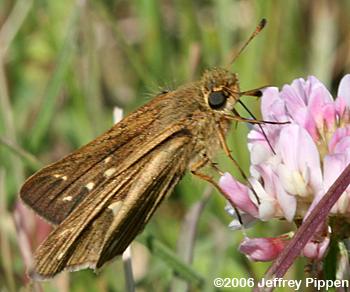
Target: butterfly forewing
[56,190]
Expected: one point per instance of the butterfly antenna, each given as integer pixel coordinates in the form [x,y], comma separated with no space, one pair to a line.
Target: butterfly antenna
[258,29]
[259,125]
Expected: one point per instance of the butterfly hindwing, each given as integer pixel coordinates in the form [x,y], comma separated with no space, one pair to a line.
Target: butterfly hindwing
[145,196]
[89,237]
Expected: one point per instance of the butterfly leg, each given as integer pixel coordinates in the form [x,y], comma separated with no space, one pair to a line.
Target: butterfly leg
[199,165]
[195,171]
[228,153]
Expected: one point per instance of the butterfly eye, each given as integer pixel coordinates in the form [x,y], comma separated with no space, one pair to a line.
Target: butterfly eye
[216,99]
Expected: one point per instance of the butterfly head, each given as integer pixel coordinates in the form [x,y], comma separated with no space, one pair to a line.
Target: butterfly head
[220,89]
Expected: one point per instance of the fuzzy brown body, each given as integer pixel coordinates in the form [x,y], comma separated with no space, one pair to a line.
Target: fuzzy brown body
[102,195]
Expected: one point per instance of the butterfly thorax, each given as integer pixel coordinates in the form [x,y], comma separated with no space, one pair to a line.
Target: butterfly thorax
[201,107]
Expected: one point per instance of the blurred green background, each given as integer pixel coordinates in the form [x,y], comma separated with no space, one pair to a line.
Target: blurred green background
[65,64]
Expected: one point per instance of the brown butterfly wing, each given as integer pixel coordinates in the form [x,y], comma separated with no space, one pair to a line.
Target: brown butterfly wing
[56,190]
[153,185]
[105,224]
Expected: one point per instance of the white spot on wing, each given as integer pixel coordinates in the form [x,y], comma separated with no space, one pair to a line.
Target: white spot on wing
[60,256]
[67,199]
[108,159]
[115,207]
[61,176]
[110,171]
[90,185]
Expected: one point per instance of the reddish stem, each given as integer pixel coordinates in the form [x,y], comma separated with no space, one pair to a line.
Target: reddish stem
[317,216]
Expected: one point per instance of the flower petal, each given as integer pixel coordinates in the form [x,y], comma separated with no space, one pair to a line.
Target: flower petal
[272,106]
[340,106]
[316,250]
[262,249]
[267,209]
[344,89]
[338,135]
[305,120]
[294,95]
[333,165]
[273,197]
[329,115]
[287,202]
[318,98]
[299,153]
[259,154]
[238,194]
[343,145]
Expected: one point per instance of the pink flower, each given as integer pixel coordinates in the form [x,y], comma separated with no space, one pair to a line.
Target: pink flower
[263,249]
[238,194]
[316,250]
[308,155]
